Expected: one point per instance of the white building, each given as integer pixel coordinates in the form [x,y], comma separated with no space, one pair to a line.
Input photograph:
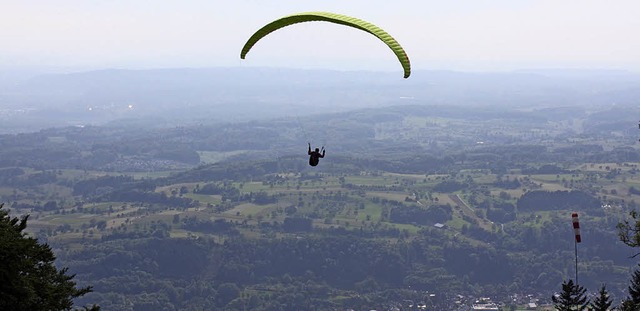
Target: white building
[484,304]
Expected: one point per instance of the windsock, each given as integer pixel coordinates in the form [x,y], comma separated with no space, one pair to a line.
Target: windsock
[576,227]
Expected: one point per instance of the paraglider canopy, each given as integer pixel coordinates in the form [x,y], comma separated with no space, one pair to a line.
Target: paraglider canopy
[332,18]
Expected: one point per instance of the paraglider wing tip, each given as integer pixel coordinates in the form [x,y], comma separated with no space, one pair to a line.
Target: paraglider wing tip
[244,51]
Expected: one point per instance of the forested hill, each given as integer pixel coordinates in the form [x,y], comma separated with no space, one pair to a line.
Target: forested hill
[412,136]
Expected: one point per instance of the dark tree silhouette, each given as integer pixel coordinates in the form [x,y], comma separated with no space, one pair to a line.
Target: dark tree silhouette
[629,231]
[627,305]
[28,278]
[603,301]
[634,289]
[571,298]
[629,234]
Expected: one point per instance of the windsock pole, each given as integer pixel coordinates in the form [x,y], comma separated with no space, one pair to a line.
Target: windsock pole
[578,239]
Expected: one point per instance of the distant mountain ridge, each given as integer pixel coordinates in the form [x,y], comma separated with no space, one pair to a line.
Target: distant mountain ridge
[246,93]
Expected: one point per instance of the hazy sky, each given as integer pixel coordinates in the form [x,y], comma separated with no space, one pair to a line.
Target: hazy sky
[458,35]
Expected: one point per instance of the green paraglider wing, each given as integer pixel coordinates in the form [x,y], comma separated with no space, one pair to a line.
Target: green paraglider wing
[332,18]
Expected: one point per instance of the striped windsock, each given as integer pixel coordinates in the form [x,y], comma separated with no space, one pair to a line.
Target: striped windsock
[576,227]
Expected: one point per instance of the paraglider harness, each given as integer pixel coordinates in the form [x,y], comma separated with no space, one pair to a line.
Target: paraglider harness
[314,156]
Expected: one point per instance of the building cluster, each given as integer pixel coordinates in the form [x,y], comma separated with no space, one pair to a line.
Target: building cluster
[469,303]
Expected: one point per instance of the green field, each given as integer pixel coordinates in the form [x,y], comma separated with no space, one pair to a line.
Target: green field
[349,201]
